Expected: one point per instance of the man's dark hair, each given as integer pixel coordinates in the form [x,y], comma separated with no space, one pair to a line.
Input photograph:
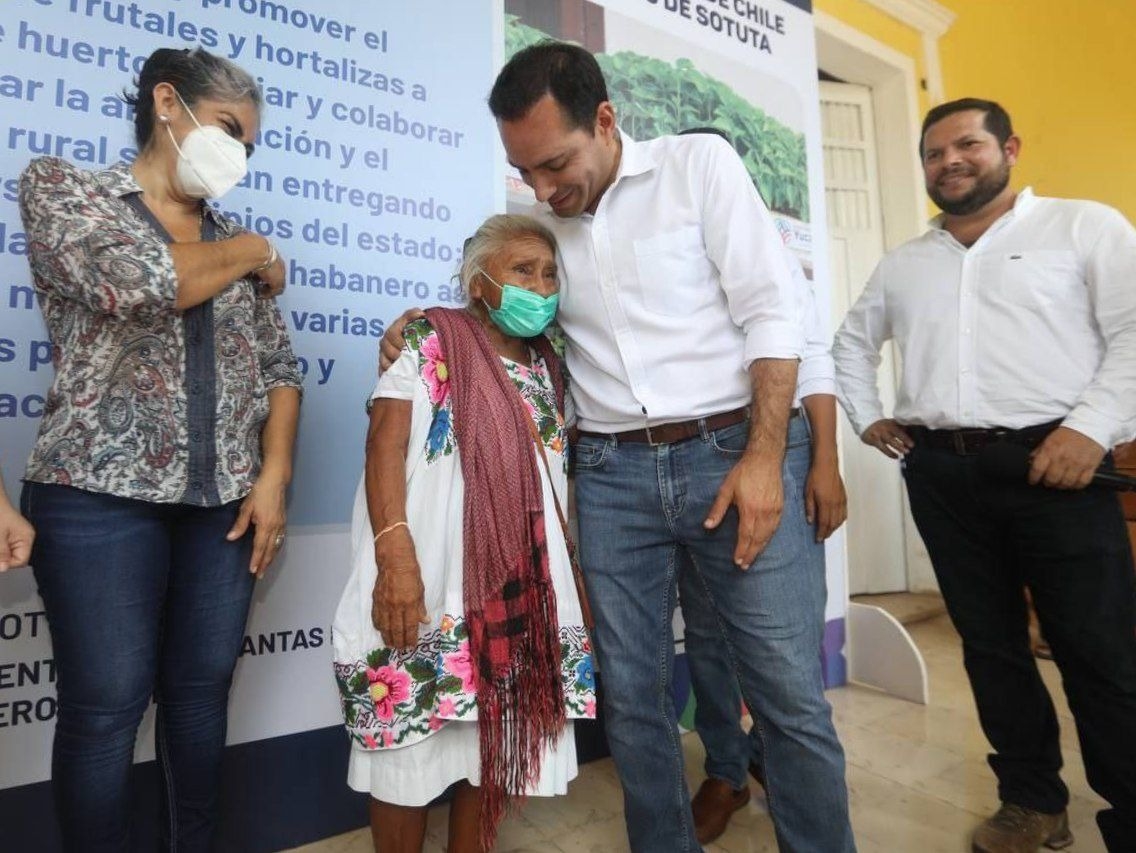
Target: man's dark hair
[566,71]
[995,119]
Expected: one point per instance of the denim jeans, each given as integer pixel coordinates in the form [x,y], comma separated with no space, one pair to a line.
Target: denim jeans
[988,540]
[142,600]
[641,510]
[717,694]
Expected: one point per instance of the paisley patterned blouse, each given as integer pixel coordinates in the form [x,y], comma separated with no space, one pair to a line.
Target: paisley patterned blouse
[115,420]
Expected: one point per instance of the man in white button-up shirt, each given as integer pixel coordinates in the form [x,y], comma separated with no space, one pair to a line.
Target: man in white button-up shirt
[1016,319]
[683,339]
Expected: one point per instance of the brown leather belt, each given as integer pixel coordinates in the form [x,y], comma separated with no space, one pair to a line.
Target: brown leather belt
[968,441]
[680,430]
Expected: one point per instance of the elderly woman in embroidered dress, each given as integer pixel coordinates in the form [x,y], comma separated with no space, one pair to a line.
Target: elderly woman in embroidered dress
[156,484]
[461,652]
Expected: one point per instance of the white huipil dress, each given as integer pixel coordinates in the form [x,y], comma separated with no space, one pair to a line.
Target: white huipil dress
[412,715]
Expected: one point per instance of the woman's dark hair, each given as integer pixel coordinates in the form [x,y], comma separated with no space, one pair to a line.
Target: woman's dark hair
[995,120]
[196,74]
[566,71]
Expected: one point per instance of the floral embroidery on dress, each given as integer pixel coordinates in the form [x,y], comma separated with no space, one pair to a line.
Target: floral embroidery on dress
[459,664]
[435,375]
[395,698]
[387,687]
[536,389]
[533,383]
[434,370]
[440,439]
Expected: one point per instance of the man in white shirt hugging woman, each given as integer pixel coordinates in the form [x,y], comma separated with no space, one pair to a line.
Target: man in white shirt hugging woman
[683,336]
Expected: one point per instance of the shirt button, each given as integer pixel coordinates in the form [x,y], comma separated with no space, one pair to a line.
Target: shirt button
[196,436]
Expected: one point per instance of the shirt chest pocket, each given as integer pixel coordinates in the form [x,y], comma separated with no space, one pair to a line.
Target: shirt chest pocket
[674,274]
[1033,278]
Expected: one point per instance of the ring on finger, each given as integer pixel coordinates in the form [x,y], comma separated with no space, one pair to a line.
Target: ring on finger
[279,540]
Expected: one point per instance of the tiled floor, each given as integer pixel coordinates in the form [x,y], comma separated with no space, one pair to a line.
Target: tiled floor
[917,776]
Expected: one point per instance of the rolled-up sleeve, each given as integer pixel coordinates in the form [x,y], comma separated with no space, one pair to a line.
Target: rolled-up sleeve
[816,374]
[742,241]
[856,355]
[278,364]
[83,245]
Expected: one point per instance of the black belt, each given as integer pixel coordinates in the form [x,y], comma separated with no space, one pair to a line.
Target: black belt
[968,441]
[680,430]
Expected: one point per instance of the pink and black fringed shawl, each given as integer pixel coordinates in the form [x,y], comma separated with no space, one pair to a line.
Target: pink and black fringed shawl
[510,604]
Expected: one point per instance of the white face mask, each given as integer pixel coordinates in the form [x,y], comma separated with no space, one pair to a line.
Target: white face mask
[210,162]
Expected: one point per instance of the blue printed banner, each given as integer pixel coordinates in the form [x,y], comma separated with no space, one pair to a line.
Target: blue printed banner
[376,158]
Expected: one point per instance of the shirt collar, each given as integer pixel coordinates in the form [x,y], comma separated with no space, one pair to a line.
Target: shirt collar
[119,181]
[1023,203]
[636,158]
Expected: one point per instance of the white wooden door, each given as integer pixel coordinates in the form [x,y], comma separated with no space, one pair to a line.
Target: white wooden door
[876,537]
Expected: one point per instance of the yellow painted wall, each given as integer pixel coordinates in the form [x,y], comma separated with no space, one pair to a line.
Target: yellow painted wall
[1063,70]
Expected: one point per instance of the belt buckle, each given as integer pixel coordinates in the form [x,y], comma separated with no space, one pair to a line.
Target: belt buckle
[959,442]
[650,438]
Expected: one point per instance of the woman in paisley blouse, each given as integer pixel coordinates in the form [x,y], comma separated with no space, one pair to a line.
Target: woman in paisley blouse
[460,646]
[157,481]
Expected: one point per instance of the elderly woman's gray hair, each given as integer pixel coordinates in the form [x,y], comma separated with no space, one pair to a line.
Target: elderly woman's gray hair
[494,233]
[196,74]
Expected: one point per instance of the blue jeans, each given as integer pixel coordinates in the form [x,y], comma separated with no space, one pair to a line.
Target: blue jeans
[717,714]
[641,510]
[142,600]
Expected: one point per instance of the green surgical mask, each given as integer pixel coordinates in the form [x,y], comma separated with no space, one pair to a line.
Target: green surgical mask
[523,314]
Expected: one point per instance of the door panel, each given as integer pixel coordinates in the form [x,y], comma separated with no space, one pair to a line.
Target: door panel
[876,537]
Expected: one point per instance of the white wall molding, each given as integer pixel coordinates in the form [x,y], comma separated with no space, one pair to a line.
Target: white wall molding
[927,16]
[855,57]
[931,20]
[934,78]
